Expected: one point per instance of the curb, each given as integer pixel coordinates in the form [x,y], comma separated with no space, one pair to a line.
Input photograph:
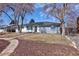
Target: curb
[10,48]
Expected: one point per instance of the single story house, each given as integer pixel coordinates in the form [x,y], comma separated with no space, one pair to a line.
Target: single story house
[39,27]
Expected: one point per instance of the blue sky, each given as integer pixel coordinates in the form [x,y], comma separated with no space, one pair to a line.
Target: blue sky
[37,15]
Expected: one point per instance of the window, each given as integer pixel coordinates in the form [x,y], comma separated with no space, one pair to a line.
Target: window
[29,28]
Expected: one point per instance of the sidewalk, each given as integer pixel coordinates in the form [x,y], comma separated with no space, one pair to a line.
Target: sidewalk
[75,39]
[10,48]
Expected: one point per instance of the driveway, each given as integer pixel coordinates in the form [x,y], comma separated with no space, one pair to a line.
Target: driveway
[33,48]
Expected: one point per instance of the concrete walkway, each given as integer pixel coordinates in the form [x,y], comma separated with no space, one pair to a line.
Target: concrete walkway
[72,42]
[75,39]
[10,48]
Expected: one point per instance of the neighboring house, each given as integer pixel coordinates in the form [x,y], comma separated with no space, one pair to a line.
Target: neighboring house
[2,28]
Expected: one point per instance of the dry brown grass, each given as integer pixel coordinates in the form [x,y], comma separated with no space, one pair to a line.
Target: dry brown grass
[48,38]
[8,34]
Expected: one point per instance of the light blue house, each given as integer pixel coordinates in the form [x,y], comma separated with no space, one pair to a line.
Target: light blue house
[41,27]
[38,27]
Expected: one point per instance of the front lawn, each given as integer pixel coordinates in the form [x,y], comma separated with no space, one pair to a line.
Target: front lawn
[47,38]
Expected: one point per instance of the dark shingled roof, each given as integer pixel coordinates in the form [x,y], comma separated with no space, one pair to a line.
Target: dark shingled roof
[40,24]
[44,24]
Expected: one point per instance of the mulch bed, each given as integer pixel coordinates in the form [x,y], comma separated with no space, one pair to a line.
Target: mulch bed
[3,44]
[32,48]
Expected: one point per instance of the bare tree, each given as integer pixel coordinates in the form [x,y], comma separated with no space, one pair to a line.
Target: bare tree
[60,11]
[3,9]
[20,10]
[1,22]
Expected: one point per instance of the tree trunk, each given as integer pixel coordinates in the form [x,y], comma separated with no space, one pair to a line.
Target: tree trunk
[20,30]
[63,29]
[22,19]
[62,20]
[18,25]
[21,27]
